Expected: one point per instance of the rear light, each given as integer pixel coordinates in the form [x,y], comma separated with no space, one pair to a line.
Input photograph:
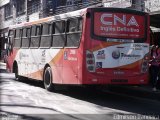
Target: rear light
[89,55]
[145,64]
[90,61]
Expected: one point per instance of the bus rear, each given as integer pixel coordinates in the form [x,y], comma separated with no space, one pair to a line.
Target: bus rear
[116,46]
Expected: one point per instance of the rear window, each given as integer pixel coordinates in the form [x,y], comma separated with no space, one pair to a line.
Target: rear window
[107,24]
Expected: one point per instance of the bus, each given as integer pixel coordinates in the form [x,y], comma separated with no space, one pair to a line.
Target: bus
[91,46]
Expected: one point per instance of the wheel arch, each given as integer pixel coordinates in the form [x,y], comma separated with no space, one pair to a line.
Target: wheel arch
[47,73]
[47,65]
[15,66]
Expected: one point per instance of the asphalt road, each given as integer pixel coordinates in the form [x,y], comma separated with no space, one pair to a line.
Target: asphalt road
[29,100]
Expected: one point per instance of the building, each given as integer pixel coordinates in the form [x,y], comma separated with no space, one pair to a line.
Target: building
[18,11]
[153,7]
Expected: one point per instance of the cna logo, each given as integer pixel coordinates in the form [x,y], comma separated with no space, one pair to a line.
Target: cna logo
[114,19]
[116,54]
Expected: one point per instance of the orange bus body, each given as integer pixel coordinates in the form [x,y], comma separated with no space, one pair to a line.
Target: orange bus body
[113,49]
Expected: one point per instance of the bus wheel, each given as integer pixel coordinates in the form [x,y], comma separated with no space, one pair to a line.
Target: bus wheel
[15,70]
[17,76]
[47,79]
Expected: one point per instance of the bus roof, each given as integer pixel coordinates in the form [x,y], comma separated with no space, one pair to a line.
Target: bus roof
[77,13]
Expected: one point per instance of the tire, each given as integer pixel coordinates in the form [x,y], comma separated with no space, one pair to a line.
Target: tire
[17,76]
[15,70]
[47,79]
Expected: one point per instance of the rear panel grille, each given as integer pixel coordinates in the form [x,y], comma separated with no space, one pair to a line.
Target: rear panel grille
[119,81]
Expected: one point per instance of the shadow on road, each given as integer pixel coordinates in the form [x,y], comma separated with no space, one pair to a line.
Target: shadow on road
[115,101]
[108,99]
[102,100]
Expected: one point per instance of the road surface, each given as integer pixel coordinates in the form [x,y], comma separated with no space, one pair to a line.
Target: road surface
[29,100]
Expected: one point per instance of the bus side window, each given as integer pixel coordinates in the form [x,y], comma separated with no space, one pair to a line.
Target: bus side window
[24,33]
[35,36]
[11,33]
[25,37]
[33,31]
[53,28]
[80,24]
[72,25]
[46,29]
[73,32]
[60,26]
[38,30]
[46,35]
[10,41]
[28,32]
[10,37]
[59,38]
[17,39]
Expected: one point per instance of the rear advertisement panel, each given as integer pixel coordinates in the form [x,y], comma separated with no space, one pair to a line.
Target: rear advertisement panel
[119,25]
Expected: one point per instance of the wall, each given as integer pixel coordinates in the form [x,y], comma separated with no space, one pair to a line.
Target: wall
[152,5]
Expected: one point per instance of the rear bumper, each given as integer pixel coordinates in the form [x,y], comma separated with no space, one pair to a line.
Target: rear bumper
[134,80]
